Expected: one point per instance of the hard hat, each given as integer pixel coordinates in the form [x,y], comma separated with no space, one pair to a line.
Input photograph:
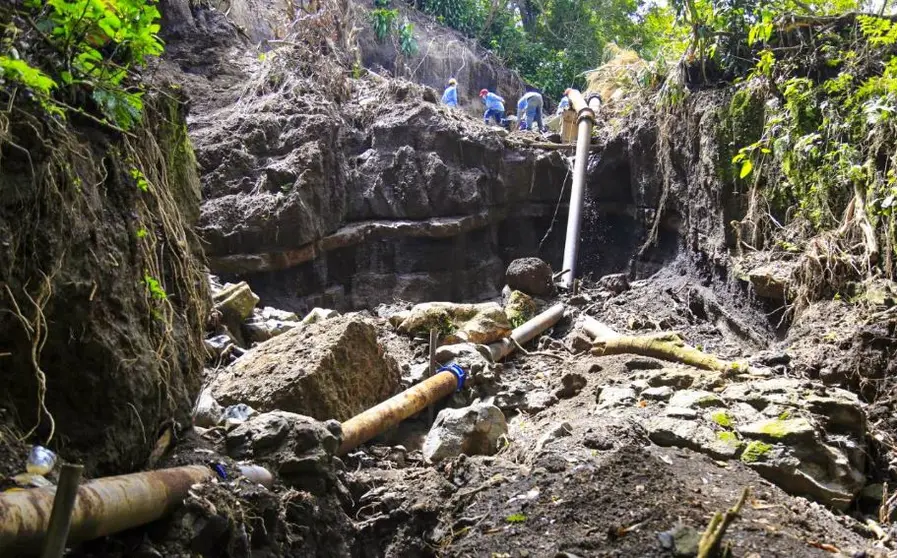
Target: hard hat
[453,81]
[483,92]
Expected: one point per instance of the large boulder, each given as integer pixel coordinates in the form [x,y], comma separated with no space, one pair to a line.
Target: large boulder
[329,370]
[530,275]
[473,430]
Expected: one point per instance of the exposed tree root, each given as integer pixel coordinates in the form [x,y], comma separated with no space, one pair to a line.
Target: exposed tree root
[665,346]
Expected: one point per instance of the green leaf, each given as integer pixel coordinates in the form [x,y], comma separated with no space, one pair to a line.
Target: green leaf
[21,72]
[746,167]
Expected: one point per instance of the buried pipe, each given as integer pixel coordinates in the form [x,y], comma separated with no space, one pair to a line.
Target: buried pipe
[448,379]
[586,119]
[103,506]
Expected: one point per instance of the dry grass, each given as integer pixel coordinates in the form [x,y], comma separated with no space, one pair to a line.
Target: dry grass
[623,74]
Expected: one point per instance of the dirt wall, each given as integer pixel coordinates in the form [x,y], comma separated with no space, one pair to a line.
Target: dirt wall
[102,300]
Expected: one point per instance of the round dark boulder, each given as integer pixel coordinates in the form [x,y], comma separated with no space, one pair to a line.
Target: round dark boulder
[530,275]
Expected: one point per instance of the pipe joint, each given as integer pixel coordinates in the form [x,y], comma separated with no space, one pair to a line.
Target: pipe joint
[457,371]
[586,114]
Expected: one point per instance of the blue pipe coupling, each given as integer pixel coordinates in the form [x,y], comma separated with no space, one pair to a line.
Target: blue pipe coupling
[459,373]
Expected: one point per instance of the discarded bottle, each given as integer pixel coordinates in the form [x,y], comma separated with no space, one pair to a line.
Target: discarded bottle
[40,461]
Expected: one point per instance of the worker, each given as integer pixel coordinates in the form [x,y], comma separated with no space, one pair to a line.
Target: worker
[529,110]
[495,106]
[564,104]
[450,96]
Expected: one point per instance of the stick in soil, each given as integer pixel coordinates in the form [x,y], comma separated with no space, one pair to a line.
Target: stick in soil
[61,516]
[711,541]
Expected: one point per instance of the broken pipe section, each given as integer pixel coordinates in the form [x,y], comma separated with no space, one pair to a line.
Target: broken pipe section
[103,506]
[362,427]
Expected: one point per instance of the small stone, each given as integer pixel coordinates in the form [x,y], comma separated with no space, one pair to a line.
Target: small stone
[578,343]
[571,384]
[319,315]
[698,399]
[770,358]
[679,412]
[418,373]
[616,283]
[641,363]
[537,401]
[473,430]
[676,379]
[236,301]
[510,400]
[559,431]
[662,393]
[598,441]
[208,412]
[639,385]
[270,313]
[682,540]
[616,397]
[217,345]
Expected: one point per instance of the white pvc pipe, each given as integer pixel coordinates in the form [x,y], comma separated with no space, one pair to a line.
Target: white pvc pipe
[526,332]
[577,197]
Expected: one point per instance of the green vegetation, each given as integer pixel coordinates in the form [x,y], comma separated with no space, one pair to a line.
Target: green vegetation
[781,428]
[79,50]
[384,22]
[516,518]
[755,451]
[520,308]
[722,418]
[728,437]
[154,287]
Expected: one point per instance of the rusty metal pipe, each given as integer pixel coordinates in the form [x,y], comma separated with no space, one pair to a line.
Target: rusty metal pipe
[103,506]
[586,119]
[526,332]
[362,427]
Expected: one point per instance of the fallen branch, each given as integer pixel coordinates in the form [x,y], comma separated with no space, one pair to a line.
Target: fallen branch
[665,346]
[711,541]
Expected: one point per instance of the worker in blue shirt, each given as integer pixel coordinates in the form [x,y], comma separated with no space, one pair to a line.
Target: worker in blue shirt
[495,106]
[564,104]
[529,110]
[450,96]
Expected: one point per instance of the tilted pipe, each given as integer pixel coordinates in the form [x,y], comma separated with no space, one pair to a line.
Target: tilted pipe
[526,332]
[586,119]
[364,426]
[379,418]
[103,506]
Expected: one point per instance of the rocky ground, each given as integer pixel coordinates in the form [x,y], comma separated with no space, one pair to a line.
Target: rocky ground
[552,452]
